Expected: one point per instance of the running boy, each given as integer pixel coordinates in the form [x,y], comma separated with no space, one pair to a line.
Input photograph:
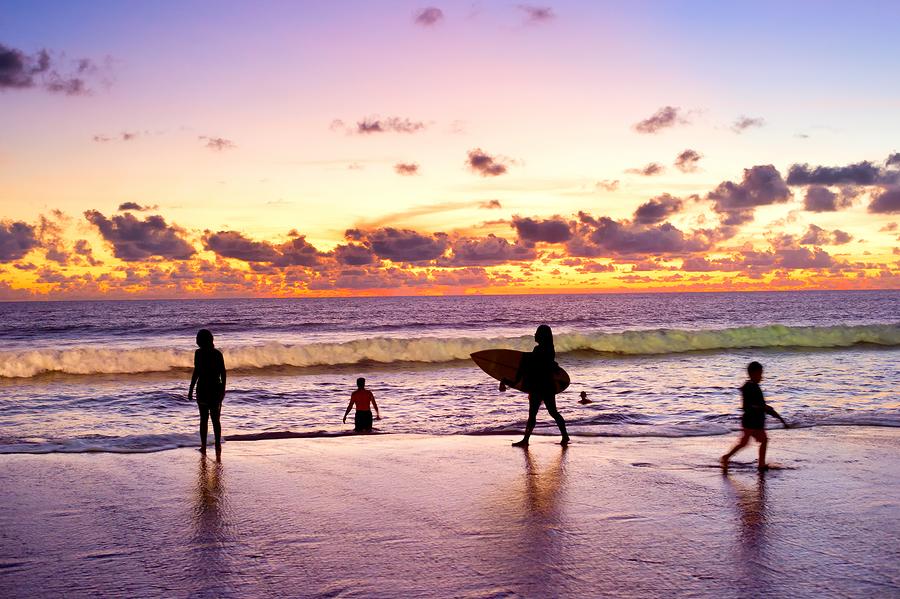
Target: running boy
[753,420]
[363,417]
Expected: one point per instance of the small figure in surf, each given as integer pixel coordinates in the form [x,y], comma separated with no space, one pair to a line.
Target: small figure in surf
[584,400]
[536,370]
[753,421]
[361,398]
[209,378]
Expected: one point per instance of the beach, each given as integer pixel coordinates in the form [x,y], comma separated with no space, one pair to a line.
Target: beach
[460,516]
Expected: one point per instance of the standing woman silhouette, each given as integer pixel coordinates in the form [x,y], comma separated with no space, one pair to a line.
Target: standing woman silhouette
[209,377]
[536,370]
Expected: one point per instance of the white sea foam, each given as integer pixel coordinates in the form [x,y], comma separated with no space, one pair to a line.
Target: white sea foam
[101,360]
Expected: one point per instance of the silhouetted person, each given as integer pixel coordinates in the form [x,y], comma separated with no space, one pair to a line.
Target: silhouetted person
[753,422]
[536,371]
[209,377]
[584,400]
[361,398]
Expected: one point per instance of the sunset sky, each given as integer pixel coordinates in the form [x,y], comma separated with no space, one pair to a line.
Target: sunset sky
[188,149]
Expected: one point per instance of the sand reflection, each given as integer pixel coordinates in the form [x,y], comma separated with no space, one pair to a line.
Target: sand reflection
[527,525]
[751,554]
[211,534]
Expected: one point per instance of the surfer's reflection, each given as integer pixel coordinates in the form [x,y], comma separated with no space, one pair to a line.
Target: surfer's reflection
[750,501]
[541,535]
[211,533]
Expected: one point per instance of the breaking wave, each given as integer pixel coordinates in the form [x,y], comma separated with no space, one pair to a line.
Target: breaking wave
[92,359]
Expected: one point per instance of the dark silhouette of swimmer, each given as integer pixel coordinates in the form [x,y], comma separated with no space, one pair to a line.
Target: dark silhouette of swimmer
[536,370]
[584,400]
[753,421]
[209,377]
[362,420]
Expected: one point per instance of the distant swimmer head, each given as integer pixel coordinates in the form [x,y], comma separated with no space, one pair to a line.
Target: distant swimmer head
[584,395]
[755,371]
[543,335]
[360,382]
[204,338]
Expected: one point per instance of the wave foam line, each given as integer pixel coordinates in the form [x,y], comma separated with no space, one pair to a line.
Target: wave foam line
[98,360]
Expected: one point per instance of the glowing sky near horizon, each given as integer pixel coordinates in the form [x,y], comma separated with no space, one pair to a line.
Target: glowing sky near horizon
[239,125]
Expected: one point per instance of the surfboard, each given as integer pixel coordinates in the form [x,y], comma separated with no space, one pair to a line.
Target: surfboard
[503,364]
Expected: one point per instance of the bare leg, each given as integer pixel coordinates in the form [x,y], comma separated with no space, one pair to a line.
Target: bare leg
[740,445]
[204,415]
[534,404]
[215,412]
[763,444]
[550,402]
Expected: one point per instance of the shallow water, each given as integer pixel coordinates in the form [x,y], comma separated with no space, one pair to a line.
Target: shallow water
[113,376]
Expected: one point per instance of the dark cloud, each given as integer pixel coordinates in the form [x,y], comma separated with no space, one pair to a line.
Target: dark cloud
[816,235]
[657,209]
[886,202]
[406,169]
[608,184]
[135,206]
[354,255]
[754,263]
[428,16]
[664,118]
[893,160]
[604,236]
[551,230]
[490,204]
[484,164]
[83,249]
[233,244]
[22,71]
[16,240]
[687,161]
[742,123]
[762,185]
[537,14]
[468,251]
[389,125]
[822,199]
[217,143]
[402,245]
[133,239]
[652,169]
[861,173]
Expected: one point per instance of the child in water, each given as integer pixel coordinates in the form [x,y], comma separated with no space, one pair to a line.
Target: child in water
[209,377]
[753,420]
[361,398]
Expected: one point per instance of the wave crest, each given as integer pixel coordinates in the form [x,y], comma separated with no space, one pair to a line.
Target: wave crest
[99,360]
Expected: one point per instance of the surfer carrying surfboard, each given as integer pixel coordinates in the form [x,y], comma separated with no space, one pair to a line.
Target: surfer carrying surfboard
[536,370]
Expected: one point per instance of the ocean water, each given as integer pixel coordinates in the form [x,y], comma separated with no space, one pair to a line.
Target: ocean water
[113,375]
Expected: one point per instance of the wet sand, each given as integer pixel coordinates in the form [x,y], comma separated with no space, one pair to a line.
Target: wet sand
[420,516]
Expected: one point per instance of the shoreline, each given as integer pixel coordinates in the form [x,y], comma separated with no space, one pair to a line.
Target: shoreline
[459,515]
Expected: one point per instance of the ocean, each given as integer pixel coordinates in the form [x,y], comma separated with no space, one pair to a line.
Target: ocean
[112,376]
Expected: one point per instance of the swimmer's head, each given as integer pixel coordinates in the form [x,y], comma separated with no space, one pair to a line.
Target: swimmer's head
[360,382]
[204,338]
[583,395]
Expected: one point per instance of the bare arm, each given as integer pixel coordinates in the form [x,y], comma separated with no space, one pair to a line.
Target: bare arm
[771,411]
[349,406]
[194,377]
[377,411]
[223,372]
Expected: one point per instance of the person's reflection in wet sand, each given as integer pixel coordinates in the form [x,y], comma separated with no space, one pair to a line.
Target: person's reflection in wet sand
[211,535]
[538,533]
[750,501]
